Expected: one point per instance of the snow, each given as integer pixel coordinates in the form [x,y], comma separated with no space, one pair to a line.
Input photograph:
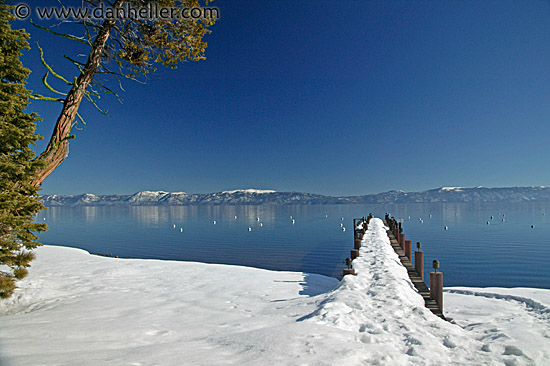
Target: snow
[249,191]
[79,309]
[456,189]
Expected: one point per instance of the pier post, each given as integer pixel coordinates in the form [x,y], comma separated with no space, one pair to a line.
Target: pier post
[402,240]
[408,249]
[436,285]
[354,253]
[349,271]
[357,244]
[358,234]
[419,261]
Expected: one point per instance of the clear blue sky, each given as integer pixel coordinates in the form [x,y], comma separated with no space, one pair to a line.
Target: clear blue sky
[338,98]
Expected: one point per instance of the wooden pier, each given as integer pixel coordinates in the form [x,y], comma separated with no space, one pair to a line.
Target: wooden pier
[433,300]
[417,281]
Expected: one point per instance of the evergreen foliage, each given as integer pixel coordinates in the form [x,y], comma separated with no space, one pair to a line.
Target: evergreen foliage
[18,197]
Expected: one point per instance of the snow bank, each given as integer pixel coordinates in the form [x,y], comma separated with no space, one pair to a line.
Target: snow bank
[78,309]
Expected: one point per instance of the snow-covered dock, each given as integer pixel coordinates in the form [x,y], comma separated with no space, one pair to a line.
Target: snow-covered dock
[79,309]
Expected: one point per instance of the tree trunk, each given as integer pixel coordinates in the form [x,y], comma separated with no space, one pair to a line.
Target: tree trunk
[58,147]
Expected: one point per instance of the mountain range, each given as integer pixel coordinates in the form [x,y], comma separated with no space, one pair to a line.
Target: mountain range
[260,197]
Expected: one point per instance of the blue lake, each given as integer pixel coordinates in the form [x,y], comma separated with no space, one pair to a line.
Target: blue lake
[505,253]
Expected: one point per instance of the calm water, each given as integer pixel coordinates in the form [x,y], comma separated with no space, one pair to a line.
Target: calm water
[472,253]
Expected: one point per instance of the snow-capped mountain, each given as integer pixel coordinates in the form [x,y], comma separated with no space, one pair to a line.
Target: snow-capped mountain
[259,197]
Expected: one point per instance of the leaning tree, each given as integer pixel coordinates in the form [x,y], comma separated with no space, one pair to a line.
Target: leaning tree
[121,48]
[116,48]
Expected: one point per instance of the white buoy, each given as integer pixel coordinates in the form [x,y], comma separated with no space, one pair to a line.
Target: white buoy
[430,216]
[341,218]
[291,217]
[341,225]
[174,226]
[261,224]
[44,219]
[214,222]
[343,229]
[503,220]
[293,221]
[181,230]
[235,217]
[249,229]
[446,228]
[326,215]
[488,223]
[257,219]
[491,217]
[532,226]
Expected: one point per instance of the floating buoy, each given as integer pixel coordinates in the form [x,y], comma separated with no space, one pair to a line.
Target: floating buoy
[214,222]
[261,224]
[342,218]
[503,220]
[326,215]
[257,219]
[293,221]
[341,225]
[249,229]
[291,217]
[343,229]
[181,230]
[174,226]
[409,217]
[44,219]
[430,216]
[488,223]
[532,226]
[491,217]
[235,217]
[446,228]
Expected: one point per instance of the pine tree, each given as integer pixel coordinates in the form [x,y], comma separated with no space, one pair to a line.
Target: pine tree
[19,200]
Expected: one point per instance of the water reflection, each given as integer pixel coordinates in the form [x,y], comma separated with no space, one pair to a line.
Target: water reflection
[511,252]
[90,213]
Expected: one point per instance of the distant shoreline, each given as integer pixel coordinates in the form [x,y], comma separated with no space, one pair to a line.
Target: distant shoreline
[268,197]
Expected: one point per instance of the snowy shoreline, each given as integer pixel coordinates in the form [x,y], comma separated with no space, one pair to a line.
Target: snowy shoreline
[76,308]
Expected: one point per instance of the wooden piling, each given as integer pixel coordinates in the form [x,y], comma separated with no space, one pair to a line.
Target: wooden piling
[436,288]
[354,253]
[348,271]
[419,263]
[357,244]
[402,241]
[408,249]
